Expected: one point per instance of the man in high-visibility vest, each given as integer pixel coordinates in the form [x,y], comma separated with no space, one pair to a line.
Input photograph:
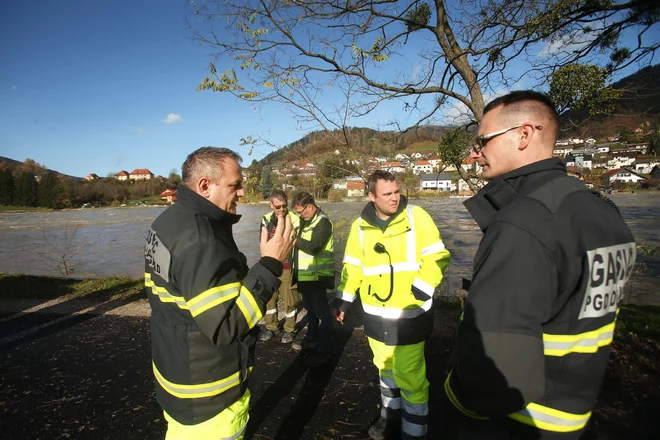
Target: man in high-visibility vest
[206,301]
[394,260]
[314,271]
[533,344]
[288,293]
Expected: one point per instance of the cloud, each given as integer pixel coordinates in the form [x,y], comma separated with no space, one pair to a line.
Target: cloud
[172,118]
[141,130]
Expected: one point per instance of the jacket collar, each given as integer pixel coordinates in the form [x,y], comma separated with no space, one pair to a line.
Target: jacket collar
[501,191]
[190,199]
[369,212]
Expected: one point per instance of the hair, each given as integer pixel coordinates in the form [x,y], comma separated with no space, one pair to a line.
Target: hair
[302,198]
[377,175]
[206,162]
[279,195]
[528,102]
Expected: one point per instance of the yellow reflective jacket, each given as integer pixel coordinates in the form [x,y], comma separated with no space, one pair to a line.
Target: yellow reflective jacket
[396,281]
[315,258]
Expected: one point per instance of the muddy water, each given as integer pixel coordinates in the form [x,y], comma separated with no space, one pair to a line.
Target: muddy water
[109,241]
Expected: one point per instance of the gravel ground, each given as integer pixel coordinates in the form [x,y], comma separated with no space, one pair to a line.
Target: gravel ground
[81,370]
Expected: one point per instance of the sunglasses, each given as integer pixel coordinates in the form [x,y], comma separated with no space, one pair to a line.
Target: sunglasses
[481,141]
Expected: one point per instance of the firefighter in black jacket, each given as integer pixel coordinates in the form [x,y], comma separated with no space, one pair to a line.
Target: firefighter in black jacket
[549,274]
[205,302]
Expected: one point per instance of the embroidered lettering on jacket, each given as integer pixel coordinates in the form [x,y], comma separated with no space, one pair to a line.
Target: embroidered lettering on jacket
[610,269]
[157,256]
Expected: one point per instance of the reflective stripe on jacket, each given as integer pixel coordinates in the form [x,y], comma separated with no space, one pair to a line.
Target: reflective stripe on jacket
[205,305]
[411,268]
[533,344]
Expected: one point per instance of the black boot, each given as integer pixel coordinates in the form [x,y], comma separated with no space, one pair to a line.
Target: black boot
[383,428]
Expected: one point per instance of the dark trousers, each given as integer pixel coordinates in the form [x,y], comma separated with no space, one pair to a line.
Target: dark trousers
[316,302]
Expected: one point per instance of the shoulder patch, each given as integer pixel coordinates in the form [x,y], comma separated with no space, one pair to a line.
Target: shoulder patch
[157,256]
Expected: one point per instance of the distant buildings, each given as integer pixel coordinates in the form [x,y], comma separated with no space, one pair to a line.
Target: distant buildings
[440,182]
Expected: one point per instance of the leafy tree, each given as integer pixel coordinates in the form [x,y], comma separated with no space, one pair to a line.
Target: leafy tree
[266,183]
[6,186]
[322,58]
[454,146]
[174,178]
[296,52]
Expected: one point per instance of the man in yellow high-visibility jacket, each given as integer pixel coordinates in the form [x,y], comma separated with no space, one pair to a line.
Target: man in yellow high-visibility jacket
[394,260]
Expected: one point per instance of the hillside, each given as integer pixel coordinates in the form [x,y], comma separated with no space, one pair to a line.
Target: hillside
[15,163]
[639,107]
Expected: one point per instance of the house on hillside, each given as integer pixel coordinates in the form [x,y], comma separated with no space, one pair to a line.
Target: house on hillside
[422,167]
[141,174]
[91,176]
[603,148]
[644,165]
[562,150]
[470,165]
[355,188]
[620,175]
[435,161]
[122,175]
[441,182]
[621,159]
[393,167]
[169,195]
[402,156]
[579,161]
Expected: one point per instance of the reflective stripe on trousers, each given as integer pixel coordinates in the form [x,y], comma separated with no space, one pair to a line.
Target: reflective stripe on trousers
[402,367]
[228,425]
[390,396]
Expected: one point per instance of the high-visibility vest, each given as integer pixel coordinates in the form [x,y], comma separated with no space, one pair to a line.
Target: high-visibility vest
[418,258]
[311,267]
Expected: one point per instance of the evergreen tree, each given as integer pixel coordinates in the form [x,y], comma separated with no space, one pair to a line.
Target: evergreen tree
[26,190]
[49,194]
[6,187]
[266,185]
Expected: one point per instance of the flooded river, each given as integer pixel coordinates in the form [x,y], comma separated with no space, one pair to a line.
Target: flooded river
[109,241]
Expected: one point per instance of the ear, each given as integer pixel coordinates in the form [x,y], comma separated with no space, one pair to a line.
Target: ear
[526,136]
[204,187]
[372,197]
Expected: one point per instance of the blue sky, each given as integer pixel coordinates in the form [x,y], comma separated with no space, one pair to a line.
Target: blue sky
[97,87]
[85,86]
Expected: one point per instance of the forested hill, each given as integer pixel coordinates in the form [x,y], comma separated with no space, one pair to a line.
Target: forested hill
[638,107]
[363,141]
[11,163]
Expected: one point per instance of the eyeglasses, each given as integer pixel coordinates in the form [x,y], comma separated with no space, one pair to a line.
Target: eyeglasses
[481,141]
[302,210]
[276,207]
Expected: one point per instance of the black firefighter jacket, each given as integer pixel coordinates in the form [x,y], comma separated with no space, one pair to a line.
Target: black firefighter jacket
[205,306]
[533,344]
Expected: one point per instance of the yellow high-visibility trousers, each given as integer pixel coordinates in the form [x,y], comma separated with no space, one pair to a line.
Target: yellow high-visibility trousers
[403,385]
[228,425]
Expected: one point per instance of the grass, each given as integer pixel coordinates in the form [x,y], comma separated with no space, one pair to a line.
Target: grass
[13,286]
[10,208]
[422,146]
[643,321]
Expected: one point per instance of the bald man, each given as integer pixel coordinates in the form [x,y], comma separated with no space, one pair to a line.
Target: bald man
[548,278]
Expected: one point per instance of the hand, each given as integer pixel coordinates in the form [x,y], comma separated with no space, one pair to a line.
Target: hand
[339,315]
[279,247]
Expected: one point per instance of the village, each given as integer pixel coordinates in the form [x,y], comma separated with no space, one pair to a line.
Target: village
[606,166]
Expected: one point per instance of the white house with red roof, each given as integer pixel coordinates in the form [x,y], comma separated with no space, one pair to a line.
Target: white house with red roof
[621,175]
[422,167]
[122,175]
[141,174]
